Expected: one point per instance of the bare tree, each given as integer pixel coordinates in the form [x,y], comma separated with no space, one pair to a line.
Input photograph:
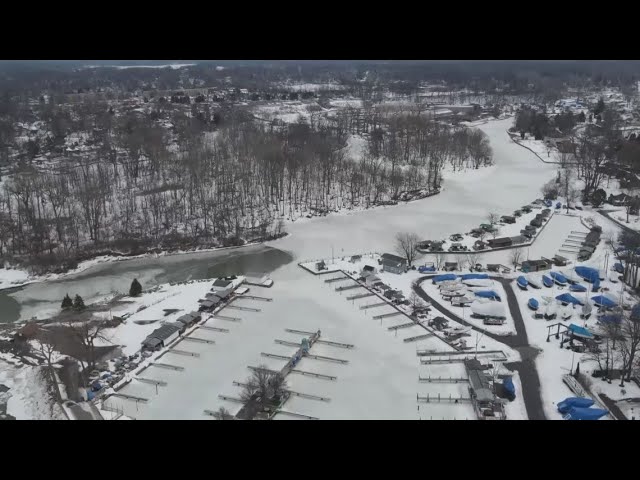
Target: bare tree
[630,344]
[262,386]
[86,333]
[605,355]
[516,257]
[567,190]
[48,348]
[416,301]
[406,244]
[473,259]
[494,232]
[493,218]
[222,414]
[439,259]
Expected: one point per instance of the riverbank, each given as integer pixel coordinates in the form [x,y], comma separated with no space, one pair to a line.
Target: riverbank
[8,276]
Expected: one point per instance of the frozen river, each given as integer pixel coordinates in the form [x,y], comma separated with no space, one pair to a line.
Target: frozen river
[513,181]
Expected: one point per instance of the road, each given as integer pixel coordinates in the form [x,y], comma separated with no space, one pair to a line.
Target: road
[526,367]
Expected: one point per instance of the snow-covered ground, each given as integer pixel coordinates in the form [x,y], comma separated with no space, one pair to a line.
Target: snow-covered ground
[379,382]
[553,362]
[28,397]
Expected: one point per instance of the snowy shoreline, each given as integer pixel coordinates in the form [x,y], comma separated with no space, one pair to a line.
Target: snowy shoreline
[87,264]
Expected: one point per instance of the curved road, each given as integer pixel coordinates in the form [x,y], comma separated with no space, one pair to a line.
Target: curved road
[526,367]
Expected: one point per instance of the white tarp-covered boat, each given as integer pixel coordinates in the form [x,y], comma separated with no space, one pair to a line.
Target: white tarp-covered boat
[488,309]
[478,282]
[534,280]
[571,275]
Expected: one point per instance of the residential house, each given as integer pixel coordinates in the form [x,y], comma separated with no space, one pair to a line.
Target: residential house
[618,200]
[393,263]
[367,271]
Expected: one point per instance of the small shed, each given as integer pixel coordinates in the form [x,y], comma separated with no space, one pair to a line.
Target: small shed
[355,258]
[371,280]
[320,265]
[368,270]
[450,266]
[152,343]
[499,242]
[535,265]
[560,261]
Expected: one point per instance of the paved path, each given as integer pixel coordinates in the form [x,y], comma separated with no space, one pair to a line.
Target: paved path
[526,367]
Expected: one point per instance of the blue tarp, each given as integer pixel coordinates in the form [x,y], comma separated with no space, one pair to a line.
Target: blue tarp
[577,288]
[578,331]
[610,319]
[488,294]
[577,413]
[568,298]
[547,282]
[571,402]
[444,277]
[509,386]
[548,203]
[602,301]
[619,267]
[533,304]
[423,269]
[558,278]
[474,276]
[522,282]
[591,275]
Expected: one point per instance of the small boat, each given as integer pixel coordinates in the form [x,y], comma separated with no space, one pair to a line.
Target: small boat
[534,280]
[522,282]
[566,313]
[558,278]
[551,312]
[571,276]
[577,288]
[546,281]
[533,304]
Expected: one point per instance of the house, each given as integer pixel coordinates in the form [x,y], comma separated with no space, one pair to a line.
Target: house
[393,263]
[372,280]
[222,288]
[161,336]
[179,325]
[618,200]
[206,304]
[189,319]
[368,270]
[499,242]
[508,219]
[535,265]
